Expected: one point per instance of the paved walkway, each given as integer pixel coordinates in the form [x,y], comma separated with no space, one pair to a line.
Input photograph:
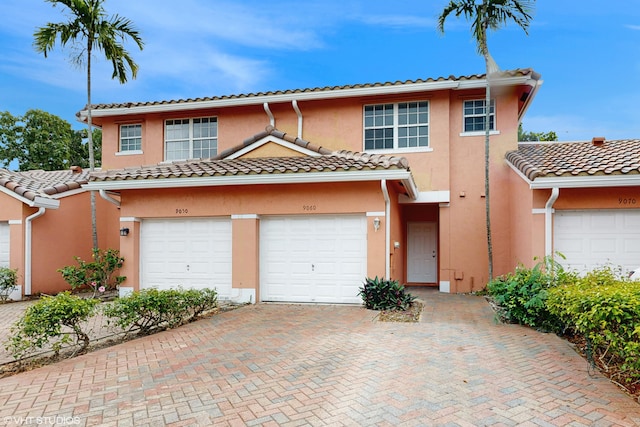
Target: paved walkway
[296,365]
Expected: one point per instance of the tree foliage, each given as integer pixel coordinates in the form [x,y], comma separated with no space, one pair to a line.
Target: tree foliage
[535,136]
[40,140]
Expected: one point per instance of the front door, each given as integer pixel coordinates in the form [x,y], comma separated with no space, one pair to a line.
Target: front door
[422,261]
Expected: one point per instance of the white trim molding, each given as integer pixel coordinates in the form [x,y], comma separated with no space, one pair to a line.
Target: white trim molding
[245,216]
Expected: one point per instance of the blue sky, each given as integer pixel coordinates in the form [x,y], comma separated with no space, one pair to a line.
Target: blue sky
[587,51]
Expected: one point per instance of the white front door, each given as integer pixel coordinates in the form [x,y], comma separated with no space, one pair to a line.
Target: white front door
[4,244]
[320,258]
[422,261]
[192,253]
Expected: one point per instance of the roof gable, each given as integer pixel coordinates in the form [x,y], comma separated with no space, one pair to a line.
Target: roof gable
[262,145]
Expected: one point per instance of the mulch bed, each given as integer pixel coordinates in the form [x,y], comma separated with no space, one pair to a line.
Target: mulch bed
[408,316]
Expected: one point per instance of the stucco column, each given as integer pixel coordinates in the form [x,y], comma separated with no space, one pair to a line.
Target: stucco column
[245,248]
[130,251]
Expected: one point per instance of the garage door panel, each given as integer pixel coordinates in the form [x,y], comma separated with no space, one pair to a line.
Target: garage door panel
[4,244]
[192,253]
[593,238]
[319,258]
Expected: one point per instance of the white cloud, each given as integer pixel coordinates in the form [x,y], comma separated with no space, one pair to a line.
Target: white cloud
[399,21]
[633,27]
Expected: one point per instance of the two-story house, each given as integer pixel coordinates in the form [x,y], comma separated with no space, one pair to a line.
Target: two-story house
[299,195]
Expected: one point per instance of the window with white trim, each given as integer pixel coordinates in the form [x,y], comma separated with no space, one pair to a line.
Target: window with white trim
[404,125]
[131,137]
[474,115]
[190,138]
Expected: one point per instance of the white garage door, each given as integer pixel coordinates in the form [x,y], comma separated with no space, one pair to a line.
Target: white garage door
[4,244]
[592,238]
[192,253]
[321,259]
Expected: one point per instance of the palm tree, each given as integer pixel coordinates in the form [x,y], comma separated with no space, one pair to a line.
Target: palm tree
[91,29]
[488,15]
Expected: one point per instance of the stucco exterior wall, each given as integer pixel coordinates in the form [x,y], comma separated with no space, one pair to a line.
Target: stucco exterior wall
[241,203]
[60,234]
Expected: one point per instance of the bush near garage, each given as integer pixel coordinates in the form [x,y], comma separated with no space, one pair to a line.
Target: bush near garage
[8,282]
[55,320]
[382,294]
[604,308]
[151,310]
[520,297]
[99,275]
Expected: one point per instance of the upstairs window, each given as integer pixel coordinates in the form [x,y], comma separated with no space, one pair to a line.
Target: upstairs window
[396,126]
[191,138]
[130,138]
[474,115]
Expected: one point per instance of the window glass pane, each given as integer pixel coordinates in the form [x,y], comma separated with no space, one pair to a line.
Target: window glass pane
[131,137]
[382,132]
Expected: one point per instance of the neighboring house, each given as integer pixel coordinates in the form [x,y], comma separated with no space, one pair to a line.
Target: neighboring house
[299,195]
[581,199]
[45,221]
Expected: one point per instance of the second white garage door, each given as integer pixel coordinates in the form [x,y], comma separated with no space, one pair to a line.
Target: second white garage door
[320,259]
[592,238]
[4,244]
[192,253]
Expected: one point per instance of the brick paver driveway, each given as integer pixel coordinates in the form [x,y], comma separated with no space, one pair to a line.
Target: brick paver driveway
[325,365]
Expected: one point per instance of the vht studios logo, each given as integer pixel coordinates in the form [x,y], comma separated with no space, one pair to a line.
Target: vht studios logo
[42,421]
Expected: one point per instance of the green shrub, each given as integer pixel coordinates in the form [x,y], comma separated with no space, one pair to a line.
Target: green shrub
[521,296]
[44,322]
[97,275]
[8,282]
[604,307]
[381,294]
[152,309]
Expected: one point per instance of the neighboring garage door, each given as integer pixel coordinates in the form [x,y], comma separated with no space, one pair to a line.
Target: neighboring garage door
[4,244]
[192,253]
[320,259]
[592,238]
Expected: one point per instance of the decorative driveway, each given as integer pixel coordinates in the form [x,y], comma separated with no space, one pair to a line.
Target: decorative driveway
[295,365]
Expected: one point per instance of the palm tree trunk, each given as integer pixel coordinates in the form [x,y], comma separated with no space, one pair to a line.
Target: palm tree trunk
[94,227]
[487,199]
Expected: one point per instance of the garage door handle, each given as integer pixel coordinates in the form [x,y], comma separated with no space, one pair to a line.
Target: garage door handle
[313,267]
[187,267]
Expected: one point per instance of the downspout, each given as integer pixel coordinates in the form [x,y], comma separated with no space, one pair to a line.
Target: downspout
[272,120]
[27,250]
[548,221]
[387,228]
[108,198]
[294,103]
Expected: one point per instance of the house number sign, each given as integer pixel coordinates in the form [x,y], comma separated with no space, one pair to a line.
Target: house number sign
[626,200]
[309,207]
[182,211]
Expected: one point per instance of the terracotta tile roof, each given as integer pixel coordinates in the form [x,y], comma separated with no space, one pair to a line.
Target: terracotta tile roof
[271,131]
[570,159]
[335,161]
[39,183]
[508,73]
